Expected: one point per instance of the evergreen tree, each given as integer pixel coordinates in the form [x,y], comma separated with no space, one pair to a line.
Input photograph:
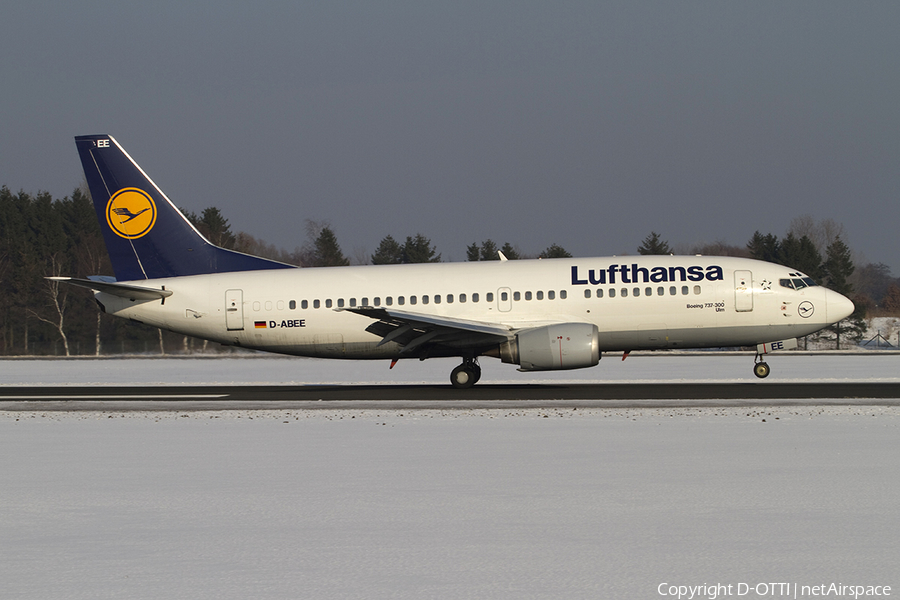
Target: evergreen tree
[838,268]
[764,247]
[653,245]
[214,227]
[389,252]
[489,251]
[800,254]
[326,252]
[555,251]
[510,252]
[473,252]
[418,249]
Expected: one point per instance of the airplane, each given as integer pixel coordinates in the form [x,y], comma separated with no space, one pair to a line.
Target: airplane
[548,314]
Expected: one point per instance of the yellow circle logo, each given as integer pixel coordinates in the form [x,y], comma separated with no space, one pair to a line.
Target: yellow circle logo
[131,213]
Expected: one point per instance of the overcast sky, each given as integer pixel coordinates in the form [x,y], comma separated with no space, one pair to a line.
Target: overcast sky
[586,124]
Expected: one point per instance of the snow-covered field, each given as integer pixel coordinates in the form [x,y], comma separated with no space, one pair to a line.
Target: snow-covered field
[528,503]
[269,369]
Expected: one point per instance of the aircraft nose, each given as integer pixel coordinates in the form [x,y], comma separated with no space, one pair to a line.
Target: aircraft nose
[837,306]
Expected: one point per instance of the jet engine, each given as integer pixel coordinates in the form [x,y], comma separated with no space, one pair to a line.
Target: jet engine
[562,346]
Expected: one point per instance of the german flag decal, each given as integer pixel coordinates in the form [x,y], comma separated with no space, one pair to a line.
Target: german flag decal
[259,324]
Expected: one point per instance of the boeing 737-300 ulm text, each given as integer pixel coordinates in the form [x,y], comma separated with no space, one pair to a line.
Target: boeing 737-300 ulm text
[538,314]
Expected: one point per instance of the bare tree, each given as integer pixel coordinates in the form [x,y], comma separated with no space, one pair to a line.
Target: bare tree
[58,299]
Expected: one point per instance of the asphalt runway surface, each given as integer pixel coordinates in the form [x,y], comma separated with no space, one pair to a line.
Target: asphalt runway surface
[614,395]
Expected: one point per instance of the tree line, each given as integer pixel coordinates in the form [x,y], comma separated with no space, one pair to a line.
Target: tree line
[41,236]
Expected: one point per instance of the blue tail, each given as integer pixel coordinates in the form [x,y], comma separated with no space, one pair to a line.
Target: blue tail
[145,235]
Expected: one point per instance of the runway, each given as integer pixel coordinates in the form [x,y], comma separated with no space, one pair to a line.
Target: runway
[614,395]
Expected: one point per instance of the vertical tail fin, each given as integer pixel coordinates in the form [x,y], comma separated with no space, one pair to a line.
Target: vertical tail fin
[146,236]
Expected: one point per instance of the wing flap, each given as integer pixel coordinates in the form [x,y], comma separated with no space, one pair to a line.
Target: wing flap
[415,332]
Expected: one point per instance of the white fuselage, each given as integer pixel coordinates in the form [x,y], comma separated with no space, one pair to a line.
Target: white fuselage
[636,302]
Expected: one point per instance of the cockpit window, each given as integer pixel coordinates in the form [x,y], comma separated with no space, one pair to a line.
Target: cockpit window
[797,283]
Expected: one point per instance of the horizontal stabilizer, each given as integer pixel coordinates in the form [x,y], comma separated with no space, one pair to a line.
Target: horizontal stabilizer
[123,290]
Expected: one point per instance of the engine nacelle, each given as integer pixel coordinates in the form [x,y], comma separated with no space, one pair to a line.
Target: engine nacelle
[562,346]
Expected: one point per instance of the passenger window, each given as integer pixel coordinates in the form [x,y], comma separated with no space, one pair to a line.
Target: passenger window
[437,298]
[587,293]
[365,302]
[636,292]
[292,304]
[304,304]
[316,304]
[340,303]
[648,291]
[504,296]
[462,297]
[328,303]
[540,295]
[612,293]
[672,291]
[624,292]
[413,299]
[562,294]
[389,301]
[660,291]
[401,300]
[696,290]
[489,296]
[475,297]
[352,302]
[599,292]
[377,301]
[551,295]
[684,290]
[517,296]
[425,299]
[449,298]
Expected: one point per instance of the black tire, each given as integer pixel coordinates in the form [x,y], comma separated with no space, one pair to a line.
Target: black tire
[463,377]
[761,370]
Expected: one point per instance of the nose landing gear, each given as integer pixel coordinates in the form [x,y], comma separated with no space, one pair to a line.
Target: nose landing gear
[466,375]
[760,368]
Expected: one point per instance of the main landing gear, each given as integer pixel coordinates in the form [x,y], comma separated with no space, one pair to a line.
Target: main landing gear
[466,375]
[760,368]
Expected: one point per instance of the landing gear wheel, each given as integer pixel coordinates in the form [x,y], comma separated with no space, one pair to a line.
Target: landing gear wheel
[464,376]
[761,370]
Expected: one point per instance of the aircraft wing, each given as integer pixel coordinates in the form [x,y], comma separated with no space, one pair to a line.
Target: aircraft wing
[124,290]
[416,331]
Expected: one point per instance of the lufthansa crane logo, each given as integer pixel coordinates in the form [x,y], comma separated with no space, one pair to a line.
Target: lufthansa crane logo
[131,213]
[806,309]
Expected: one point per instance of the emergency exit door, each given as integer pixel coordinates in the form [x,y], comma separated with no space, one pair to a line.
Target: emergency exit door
[743,291]
[234,310]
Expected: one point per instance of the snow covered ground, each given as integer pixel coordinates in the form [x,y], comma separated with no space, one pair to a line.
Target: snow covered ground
[528,503]
[269,369]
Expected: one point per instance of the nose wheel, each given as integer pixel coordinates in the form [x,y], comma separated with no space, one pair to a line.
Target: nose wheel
[760,368]
[465,375]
